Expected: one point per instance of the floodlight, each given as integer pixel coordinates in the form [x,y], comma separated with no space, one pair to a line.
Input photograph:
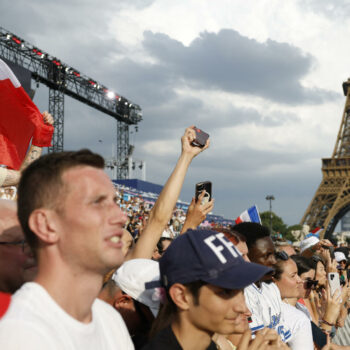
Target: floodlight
[110,95]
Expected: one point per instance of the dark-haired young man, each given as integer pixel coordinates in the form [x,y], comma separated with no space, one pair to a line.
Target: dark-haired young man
[67,210]
[204,276]
[263,297]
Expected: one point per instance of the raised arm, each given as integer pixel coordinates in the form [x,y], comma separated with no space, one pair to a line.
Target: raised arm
[164,206]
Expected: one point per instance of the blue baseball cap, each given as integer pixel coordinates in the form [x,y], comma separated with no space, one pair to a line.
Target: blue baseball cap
[208,256]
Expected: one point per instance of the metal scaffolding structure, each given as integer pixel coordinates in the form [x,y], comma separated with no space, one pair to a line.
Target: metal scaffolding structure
[123,147]
[56,108]
[332,198]
[62,79]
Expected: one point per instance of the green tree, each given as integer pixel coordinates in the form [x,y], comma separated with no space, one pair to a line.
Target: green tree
[278,225]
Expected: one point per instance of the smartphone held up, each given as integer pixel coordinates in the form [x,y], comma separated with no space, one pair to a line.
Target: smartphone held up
[334,282]
[203,186]
[201,138]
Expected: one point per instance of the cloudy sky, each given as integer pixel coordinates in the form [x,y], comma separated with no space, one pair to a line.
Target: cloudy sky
[262,77]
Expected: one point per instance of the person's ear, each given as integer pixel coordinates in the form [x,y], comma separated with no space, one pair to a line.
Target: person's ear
[124,301]
[181,296]
[42,224]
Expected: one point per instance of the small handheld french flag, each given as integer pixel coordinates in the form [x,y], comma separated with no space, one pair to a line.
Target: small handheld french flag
[315,232]
[249,215]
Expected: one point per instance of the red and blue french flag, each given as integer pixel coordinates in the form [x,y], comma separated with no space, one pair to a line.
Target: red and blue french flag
[20,120]
[249,215]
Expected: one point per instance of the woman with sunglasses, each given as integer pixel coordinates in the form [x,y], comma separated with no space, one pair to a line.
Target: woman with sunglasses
[318,298]
[320,330]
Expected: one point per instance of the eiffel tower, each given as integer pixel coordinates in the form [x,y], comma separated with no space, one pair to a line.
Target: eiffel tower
[332,198]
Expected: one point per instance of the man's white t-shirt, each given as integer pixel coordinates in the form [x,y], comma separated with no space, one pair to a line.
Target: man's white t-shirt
[34,321]
[300,327]
[265,305]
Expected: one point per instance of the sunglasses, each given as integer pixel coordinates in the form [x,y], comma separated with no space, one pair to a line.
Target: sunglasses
[310,284]
[282,255]
[23,244]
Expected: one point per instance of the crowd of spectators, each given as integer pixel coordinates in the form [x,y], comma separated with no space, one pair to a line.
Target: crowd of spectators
[84,265]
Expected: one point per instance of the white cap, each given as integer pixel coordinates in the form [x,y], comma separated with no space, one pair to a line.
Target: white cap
[131,278]
[339,256]
[308,243]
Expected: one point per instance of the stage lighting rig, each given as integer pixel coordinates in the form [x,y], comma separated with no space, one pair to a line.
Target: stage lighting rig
[62,79]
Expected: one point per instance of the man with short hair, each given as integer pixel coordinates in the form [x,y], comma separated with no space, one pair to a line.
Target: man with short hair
[263,297]
[67,209]
[204,276]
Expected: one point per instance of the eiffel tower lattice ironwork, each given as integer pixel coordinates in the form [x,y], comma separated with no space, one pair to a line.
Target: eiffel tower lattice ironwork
[332,198]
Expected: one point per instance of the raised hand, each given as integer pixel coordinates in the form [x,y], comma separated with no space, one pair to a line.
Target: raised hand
[48,118]
[187,140]
[197,212]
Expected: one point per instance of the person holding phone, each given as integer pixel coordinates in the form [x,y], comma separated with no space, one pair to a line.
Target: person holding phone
[197,212]
[321,330]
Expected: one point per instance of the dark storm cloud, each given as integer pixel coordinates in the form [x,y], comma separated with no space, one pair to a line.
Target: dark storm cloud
[78,32]
[240,179]
[145,83]
[181,111]
[231,62]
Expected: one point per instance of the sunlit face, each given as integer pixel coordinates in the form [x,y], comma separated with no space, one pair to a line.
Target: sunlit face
[219,311]
[321,274]
[90,223]
[303,291]
[289,281]
[16,266]
[242,247]
[263,252]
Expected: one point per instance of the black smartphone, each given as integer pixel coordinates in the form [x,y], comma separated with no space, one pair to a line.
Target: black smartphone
[331,251]
[201,138]
[203,186]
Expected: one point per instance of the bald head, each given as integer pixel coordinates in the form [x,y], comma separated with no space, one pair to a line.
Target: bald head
[16,265]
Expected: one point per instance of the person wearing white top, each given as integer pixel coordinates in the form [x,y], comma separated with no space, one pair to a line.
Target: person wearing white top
[35,321]
[263,297]
[288,282]
[68,212]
